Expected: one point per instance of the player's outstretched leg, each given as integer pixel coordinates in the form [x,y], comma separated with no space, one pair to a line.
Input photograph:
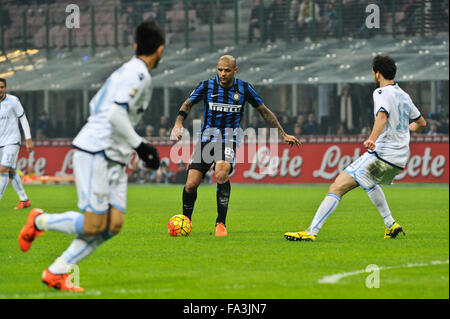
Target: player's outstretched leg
[95,231]
[392,228]
[16,182]
[343,184]
[223,192]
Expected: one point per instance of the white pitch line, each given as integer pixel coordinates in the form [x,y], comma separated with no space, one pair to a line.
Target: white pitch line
[334,279]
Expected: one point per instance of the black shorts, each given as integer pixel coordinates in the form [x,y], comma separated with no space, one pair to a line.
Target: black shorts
[209,153]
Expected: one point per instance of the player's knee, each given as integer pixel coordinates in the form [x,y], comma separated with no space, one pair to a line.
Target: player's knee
[337,189]
[221,177]
[93,229]
[116,227]
[191,186]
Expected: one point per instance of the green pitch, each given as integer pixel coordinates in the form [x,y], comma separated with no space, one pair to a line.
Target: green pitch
[254,261]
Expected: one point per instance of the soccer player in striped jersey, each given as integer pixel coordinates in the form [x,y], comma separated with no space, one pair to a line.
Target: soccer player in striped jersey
[224,98]
[387,155]
[104,147]
[11,114]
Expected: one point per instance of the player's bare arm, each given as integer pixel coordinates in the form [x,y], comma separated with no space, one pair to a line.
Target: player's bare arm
[178,129]
[378,127]
[272,120]
[418,126]
[29,145]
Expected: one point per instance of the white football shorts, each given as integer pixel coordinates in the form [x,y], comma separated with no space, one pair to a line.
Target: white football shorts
[100,183]
[368,170]
[8,155]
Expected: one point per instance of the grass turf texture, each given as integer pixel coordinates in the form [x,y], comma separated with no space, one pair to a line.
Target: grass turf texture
[254,261]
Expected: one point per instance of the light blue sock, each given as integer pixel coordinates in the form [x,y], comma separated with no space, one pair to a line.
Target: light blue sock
[4,177]
[18,187]
[326,208]
[70,222]
[80,248]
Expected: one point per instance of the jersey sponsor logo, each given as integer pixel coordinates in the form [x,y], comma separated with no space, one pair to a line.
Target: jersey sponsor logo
[4,117]
[224,107]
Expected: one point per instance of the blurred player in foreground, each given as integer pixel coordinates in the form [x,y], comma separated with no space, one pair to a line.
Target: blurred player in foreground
[104,146]
[224,97]
[387,155]
[11,113]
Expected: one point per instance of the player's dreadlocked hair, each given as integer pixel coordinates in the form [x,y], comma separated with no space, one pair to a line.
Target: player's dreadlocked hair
[385,65]
[149,36]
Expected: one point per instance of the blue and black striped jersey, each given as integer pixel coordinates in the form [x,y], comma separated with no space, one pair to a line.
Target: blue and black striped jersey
[223,107]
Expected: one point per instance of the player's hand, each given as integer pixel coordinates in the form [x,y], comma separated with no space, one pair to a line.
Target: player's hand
[149,155]
[292,140]
[177,133]
[369,144]
[29,145]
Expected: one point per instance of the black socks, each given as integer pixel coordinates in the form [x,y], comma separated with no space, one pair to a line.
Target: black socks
[188,203]
[223,197]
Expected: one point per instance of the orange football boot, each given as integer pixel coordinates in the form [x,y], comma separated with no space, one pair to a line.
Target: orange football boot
[221,230]
[23,204]
[59,281]
[29,232]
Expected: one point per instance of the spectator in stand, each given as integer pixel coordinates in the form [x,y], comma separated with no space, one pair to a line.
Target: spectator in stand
[132,20]
[433,129]
[276,19]
[300,120]
[348,110]
[254,28]
[181,174]
[311,125]
[163,174]
[285,122]
[408,23]
[140,127]
[298,131]
[163,132]
[155,13]
[305,19]
[294,11]
[443,128]
[149,131]
[164,123]
[341,130]
[43,126]
[331,12]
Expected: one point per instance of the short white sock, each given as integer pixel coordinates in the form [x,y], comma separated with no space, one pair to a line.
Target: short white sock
[80,248]
[70,222]
[377,197]
[18,187]
[326,208]
[4,179]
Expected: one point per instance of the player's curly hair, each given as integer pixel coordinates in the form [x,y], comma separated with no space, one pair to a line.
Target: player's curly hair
[385,65]
[148,37]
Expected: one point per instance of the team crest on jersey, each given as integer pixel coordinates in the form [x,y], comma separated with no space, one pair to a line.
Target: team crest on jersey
[380,91]
[236,96]
[141,76]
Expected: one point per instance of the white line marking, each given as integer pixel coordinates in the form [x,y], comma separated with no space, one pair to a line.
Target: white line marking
[334,279]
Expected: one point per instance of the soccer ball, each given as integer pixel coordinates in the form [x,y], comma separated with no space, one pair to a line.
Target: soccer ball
[179,225]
